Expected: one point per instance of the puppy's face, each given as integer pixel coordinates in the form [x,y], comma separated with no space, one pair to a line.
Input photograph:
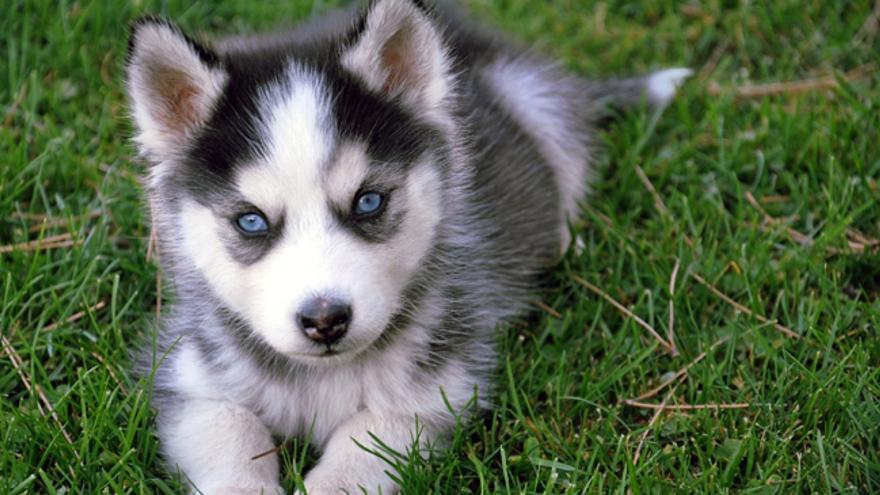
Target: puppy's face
[304,194]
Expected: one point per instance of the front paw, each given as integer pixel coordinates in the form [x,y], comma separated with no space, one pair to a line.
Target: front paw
[338,485]
[239,490]
[325,487]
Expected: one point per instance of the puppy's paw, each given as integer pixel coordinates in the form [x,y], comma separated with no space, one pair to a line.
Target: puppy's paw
[223,489]
[327,487]
[339,485]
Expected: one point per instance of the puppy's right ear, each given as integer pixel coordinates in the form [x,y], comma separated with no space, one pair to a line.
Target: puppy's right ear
[173,84]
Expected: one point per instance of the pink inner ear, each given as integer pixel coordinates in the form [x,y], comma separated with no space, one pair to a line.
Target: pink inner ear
[177,93]
[399,62]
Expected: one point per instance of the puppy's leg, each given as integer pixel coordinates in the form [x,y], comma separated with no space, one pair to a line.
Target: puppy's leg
[347,468]
[214,442]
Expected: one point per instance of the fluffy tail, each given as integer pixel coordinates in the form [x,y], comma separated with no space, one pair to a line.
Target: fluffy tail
[656,89]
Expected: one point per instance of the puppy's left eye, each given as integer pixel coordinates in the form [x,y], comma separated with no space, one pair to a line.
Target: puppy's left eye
[368,204]
[252,224]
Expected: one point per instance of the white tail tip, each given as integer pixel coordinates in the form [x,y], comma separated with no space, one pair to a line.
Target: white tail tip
[663,84]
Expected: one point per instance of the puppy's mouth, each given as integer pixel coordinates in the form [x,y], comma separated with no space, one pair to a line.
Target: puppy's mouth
[338,352]
[343,350]
[323,352]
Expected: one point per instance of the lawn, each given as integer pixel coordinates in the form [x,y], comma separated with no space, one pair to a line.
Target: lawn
[741,226]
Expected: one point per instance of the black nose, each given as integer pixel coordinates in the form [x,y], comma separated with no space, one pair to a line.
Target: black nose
[324,320]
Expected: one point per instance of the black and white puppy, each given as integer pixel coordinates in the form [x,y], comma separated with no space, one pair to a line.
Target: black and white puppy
[346,213]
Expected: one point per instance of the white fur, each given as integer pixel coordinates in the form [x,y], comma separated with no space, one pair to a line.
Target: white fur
[339,402]
[335,407]
[299,143]
[347,173]
[228,438]
[663,84]
[362,470]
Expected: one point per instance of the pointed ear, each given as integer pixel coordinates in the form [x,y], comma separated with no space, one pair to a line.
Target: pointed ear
[399,52]
[173,83]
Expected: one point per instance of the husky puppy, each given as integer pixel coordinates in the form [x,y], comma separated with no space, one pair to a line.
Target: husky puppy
[346,213]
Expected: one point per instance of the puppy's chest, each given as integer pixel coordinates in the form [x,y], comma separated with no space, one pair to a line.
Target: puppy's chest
[310,402]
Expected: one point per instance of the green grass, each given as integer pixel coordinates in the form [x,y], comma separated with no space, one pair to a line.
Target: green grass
[560,426]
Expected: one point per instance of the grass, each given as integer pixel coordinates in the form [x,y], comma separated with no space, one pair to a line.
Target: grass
[801,253]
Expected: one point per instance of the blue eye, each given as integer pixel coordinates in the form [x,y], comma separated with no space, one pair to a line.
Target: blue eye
[252,223]
[368,203]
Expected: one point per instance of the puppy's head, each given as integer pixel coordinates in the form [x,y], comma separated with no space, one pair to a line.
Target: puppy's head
[302,185]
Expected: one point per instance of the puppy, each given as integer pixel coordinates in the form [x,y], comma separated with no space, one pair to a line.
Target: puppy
[346,213]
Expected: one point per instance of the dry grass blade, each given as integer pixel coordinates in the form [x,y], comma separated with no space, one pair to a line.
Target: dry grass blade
[724,297]
[44,243]
[789,88]
[44,221]
[859,242]
[271,451]
[13,109]
[620,307]
[658,201]
[678,374]
[750,198]
[61,245]
[76,316]
[712,62]
[601,216]
[158,291]
[158,294]
[686,407]
[651,423]
[18,364]
[856,242]
[58,223]
[552,312]
[776,198]
[796,236]
[153,242]
[110,370]
[855,247]
[670,330]
[771,220]
[27,216]
[784,88]
[869,28]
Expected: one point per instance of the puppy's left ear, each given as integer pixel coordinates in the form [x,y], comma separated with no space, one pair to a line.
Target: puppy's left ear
[399,52]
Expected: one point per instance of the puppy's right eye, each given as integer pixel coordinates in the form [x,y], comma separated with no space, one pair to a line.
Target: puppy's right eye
[252,224]
[368,204]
